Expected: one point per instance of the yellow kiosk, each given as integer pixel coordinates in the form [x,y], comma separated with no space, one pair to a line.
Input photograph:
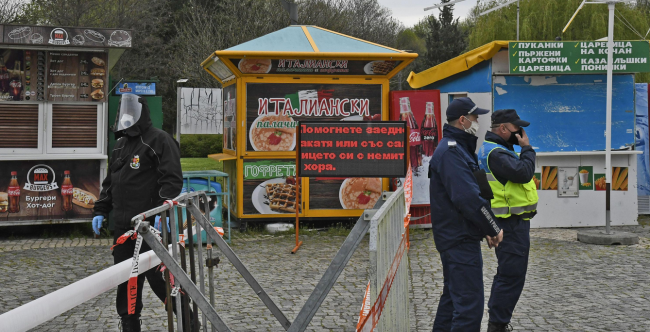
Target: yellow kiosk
[298,73]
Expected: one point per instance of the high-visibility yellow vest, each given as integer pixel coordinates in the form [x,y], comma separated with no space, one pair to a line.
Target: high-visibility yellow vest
[511,198]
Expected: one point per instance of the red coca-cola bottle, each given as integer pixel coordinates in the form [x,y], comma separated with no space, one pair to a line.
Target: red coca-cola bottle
[415,139]
[14,194]
[66,191]
[429,131]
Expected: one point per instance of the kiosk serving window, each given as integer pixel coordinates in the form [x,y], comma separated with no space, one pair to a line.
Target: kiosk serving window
[20,128]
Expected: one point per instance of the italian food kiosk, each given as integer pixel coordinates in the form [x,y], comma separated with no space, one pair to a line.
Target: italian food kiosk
[298,73]
[53,113]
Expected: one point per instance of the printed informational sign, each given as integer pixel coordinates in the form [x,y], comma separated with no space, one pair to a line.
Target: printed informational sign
[347,149]
[64,36]
[586,175]
[140,89]
[230,117]
[314,66]
[549,178]
[76,76]
[270,186]
[273,110]
[200,111]
[577,57]
[421,111]
[568,182]
[48,190]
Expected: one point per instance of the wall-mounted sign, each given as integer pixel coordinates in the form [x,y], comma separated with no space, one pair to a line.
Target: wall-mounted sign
[568,182]
[577,57]
[65,36]
[349,149]
[140,89]
[75,76]
[273,110]
[314,66]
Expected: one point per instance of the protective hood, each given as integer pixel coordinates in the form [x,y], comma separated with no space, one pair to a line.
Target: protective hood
[141,125]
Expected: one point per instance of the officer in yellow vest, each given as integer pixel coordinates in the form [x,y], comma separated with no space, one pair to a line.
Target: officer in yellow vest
[515,202]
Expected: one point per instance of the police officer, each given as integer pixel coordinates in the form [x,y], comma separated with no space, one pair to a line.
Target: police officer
[461,217]
[145,170]
[515,202]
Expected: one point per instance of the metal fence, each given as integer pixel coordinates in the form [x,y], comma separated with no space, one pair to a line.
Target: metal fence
[389,279]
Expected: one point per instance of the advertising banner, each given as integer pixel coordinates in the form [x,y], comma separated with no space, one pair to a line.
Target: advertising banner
[641,139]
[201,111]
[421,111]
[314,66]
[270,186]
[66,37]
[586,175]
[549,178]
[16,83]
[76,76]
[273,110]
[48,190]
[577,57]
[140,89]
[229,111]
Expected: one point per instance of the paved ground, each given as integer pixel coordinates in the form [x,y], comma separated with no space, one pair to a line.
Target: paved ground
[570,287]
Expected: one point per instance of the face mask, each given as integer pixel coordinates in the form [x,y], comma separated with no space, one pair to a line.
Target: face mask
[513,139]
[127,121]
[473,128]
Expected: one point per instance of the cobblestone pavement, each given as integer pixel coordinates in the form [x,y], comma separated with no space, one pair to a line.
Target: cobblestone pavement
[570,286]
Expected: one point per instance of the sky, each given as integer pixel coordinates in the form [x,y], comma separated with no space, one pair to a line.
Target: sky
[412,11]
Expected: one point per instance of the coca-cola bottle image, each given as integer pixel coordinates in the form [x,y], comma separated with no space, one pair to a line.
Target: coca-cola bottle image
[16,83]
[429,131]
[4,77]
[415,139]
[66,191]
[14,193]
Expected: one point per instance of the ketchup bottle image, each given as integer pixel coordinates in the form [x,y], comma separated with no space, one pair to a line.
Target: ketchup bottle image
[415,139]
[14,193]
[429,131]
[66,192]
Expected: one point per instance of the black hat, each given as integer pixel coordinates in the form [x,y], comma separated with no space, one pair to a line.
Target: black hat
[508,116]
[463,106]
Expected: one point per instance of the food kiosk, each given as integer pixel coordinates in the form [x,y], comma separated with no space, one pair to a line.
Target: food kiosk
[560,87]
[53,120]
[296,74]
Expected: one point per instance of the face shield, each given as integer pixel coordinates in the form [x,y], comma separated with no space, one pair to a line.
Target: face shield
[129,112]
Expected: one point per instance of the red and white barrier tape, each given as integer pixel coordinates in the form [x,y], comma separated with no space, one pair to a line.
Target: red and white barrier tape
[378,306]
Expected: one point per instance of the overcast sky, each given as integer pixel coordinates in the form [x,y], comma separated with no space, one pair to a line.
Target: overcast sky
[412,11]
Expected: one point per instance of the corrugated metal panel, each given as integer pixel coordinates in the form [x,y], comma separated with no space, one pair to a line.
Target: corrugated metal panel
[74,126]
[19,126]
[644,204]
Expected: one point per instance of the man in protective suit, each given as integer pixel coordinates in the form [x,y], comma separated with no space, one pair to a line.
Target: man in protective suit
[144,171]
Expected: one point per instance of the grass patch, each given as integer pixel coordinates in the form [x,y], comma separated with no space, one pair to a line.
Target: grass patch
[200,164]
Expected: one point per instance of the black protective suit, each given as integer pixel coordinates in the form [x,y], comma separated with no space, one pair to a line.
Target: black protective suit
[144,171]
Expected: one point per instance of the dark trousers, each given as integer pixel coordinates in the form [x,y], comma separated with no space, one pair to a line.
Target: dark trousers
[512,255]
[461,304]
[124,252]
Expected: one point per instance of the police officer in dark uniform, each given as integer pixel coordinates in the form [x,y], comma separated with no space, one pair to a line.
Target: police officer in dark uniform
[514,203]
[461,218]
[145,170]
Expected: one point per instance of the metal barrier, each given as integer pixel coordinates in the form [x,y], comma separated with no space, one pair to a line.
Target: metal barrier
[389,279]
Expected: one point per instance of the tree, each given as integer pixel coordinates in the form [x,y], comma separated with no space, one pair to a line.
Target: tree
[445,39]
[10,10]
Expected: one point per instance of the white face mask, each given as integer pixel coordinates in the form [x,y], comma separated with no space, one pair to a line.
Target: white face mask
[127,121]
[473,128]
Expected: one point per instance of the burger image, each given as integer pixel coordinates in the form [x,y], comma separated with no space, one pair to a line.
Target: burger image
[4,203]
[97,83]
[97,94]
[97,72]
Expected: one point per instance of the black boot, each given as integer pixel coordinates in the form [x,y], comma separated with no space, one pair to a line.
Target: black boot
[499,327]
[130,324]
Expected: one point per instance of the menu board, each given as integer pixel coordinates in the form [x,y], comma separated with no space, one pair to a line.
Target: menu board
[76,76]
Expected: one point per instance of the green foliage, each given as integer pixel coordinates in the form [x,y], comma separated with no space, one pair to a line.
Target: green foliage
[200,146]
[445,39]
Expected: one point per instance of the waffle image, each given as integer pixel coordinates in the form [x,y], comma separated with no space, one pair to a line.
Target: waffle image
[282,197]
[382,67]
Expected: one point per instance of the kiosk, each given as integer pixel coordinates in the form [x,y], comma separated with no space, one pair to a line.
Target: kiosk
[296,74]
[53,120]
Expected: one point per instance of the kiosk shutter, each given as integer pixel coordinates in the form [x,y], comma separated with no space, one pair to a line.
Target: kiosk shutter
[19,126]
[74,126]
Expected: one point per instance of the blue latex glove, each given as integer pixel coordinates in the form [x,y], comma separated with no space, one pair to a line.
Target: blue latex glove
[157,225]
[97,223]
